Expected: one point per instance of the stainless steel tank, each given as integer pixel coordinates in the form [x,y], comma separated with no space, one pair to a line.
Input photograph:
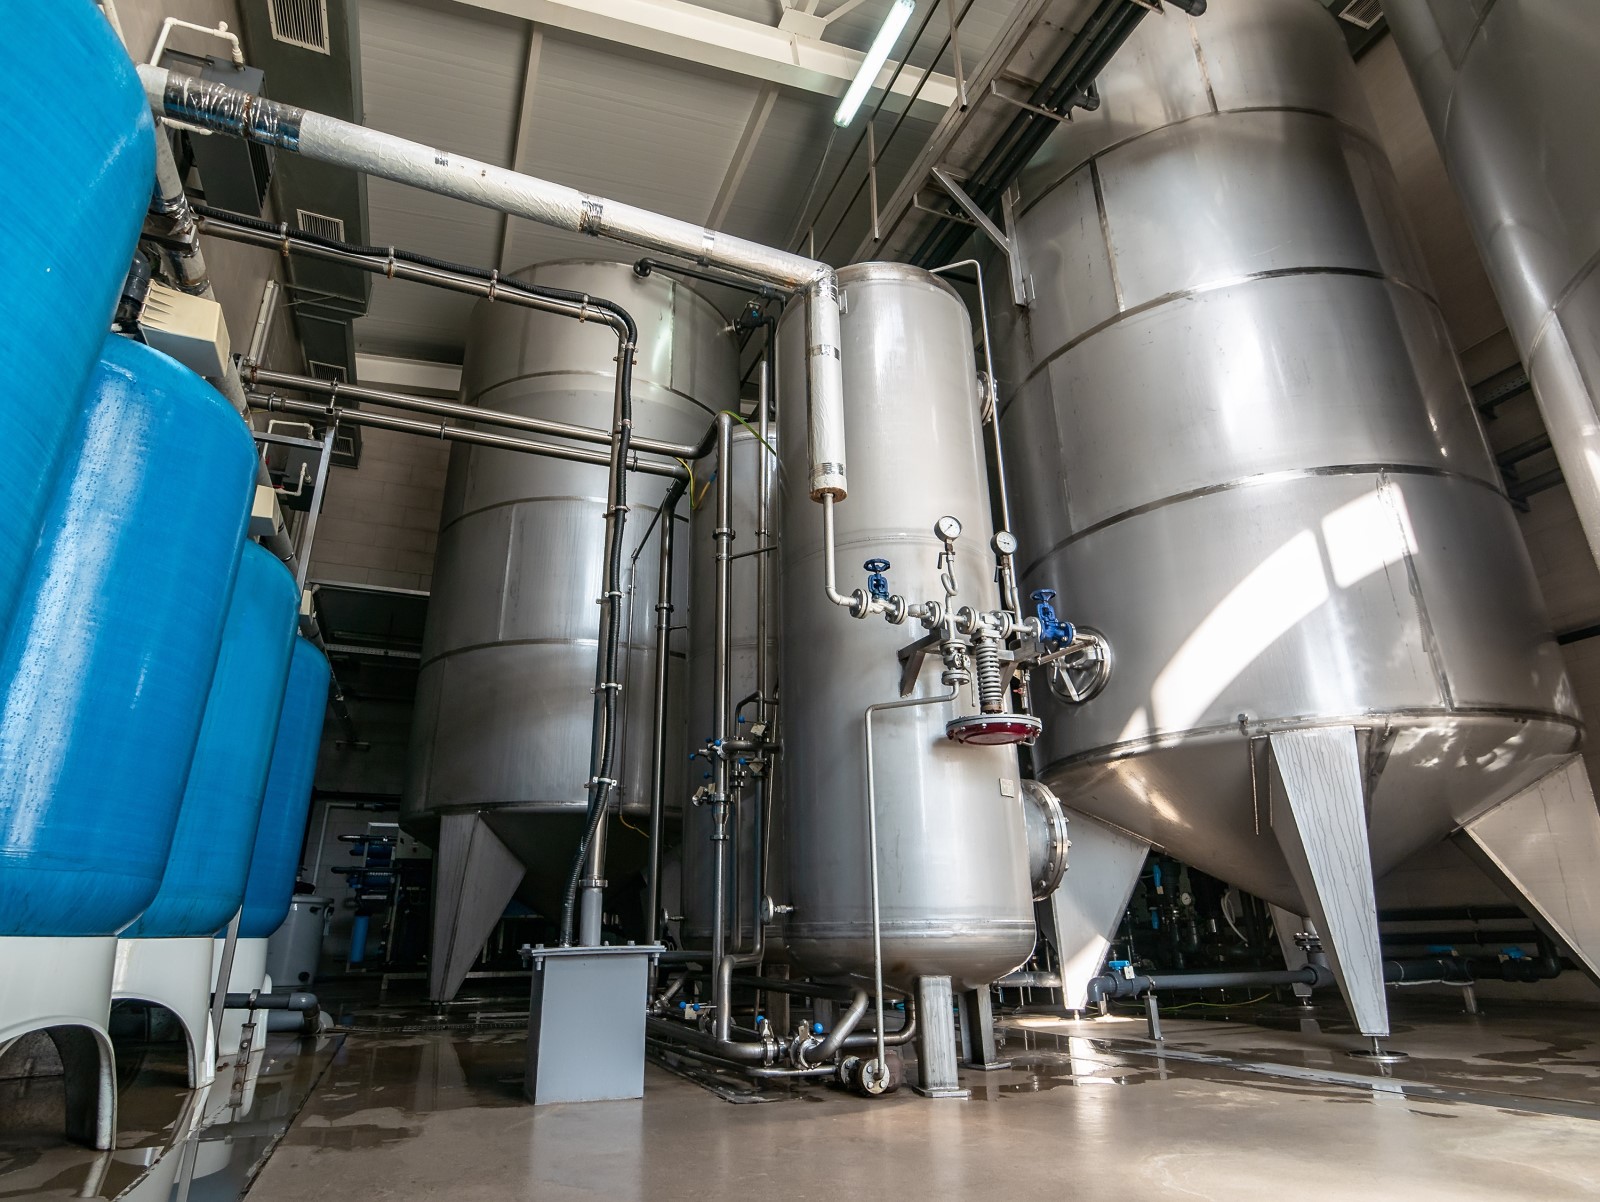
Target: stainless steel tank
[952,853]
[745,452]
[1500,81]
[1240,447]
[504,701]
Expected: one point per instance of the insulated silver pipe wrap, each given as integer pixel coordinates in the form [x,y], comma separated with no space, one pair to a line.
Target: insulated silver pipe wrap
[825,399]
[329,140]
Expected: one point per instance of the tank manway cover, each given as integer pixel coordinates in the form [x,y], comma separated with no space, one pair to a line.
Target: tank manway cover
[991,730]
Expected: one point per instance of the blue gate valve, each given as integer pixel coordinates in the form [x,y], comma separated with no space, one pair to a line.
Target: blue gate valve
[1051,628]
[877,582]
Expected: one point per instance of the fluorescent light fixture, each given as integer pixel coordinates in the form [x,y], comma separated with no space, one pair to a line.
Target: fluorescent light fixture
[878,54]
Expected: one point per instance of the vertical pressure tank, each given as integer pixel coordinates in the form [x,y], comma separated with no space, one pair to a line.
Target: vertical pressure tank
[112,649]
[506,692]
[745,831]
[952,855]
[77,161]
[216,832]
[287,800]
[1241,448]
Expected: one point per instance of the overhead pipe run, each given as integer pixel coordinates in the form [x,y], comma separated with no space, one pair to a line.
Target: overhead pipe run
[220,109]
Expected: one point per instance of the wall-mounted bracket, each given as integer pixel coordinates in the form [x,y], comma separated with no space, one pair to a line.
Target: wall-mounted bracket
[1005,239]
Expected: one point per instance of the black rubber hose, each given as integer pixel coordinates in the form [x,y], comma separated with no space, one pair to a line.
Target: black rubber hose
[603,757]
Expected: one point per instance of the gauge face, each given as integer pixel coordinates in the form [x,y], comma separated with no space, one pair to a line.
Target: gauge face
[1005,542]
[947,528]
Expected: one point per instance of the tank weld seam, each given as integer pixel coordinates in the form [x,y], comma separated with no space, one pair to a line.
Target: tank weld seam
[1105,236]
[477,398]
[1108,753]
[1299,110]
[1259,480]
[461,517]
[1552,315]
[1218,285]
[544,642]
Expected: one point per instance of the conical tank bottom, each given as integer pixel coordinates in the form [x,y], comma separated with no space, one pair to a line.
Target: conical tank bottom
[1209,800]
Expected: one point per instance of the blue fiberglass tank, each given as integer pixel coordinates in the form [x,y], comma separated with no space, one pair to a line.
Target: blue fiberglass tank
[110,655]
[77,161]
[283,814]
[216,833]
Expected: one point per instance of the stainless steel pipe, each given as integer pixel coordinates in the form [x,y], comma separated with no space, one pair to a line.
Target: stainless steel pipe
[337,390]
[482,438]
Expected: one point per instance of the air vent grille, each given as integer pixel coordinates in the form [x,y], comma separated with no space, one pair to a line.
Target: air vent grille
[302,23]
[336,372]
[320,225]
[1363,14]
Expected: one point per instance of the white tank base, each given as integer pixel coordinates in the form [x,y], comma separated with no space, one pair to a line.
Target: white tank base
[249,976]
[63,985]
[177,974]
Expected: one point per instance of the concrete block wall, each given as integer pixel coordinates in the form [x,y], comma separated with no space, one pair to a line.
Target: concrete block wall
[380,521]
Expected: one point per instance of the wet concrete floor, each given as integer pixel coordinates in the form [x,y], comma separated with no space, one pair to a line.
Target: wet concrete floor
[1501,1105]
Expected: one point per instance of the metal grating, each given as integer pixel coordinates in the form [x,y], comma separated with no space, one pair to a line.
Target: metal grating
[302,23]
[1363,14]
[320,225]
[328,371]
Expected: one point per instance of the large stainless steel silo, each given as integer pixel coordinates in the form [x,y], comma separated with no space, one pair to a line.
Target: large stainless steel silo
[951,847]
[1241,448]
[1499,82]
[501,737]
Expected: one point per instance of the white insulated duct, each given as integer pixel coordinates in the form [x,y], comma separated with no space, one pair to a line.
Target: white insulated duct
[327,139]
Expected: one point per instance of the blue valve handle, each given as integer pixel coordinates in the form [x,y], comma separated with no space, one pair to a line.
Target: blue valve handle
[1052,628]
[877,582]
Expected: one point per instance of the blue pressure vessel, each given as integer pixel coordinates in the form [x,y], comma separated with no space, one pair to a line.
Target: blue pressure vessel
[77,163]
[216,833]
[104,672]
[283,814]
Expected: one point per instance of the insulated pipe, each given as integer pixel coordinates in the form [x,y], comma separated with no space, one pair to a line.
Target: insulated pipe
[222,109]
[449,433]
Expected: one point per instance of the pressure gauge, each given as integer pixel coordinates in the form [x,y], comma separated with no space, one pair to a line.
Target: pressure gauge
[1005,543]
[947,528]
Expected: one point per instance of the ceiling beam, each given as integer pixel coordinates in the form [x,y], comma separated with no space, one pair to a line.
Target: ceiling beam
[408,375]
[712,39]
[742,154]
[519,141]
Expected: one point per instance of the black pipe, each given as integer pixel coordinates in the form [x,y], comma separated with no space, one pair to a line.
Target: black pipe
[645,266]
[1066,85]
[303,1003]
[1450,914]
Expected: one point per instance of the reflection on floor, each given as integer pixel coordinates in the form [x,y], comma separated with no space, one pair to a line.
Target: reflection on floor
[172,1143]
[402,1105]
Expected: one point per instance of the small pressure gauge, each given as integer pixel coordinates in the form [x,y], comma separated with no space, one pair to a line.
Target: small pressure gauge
[1005,543]
[947,528]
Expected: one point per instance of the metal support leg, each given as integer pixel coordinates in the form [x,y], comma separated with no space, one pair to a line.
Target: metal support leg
[936,1040]
[978,1050]
[1152,1017]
